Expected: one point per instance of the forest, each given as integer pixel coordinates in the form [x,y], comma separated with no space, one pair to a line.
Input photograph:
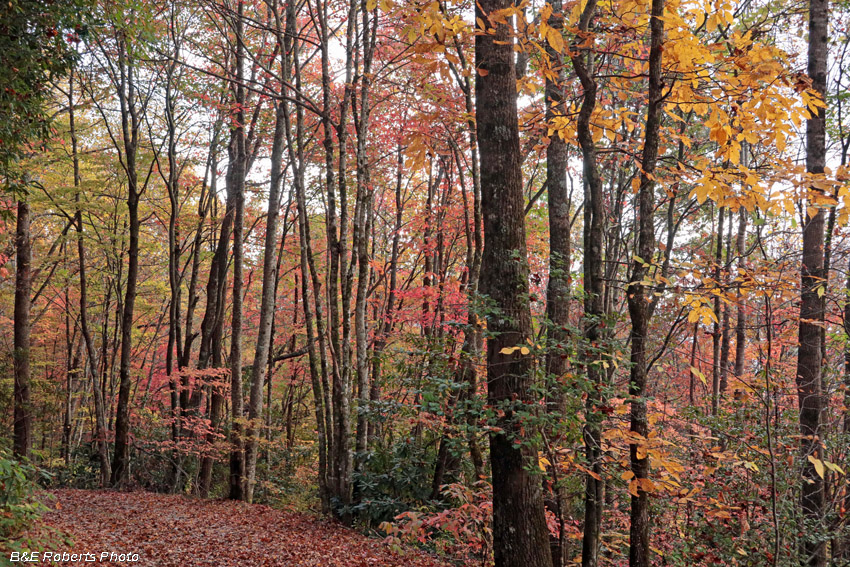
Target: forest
[511,283]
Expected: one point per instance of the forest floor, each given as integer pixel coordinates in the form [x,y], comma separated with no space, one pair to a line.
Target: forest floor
[177,531]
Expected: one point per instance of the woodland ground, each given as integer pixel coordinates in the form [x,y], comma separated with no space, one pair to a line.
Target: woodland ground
[173,530]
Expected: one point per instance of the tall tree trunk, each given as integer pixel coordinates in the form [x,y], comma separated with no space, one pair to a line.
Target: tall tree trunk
[593,302]
[741,321]
[238,155]
[810,357]
[637,298]
[23,286]
[130,130]
[318,366]
[99,407]
[558,288]
[261,353]
[520,536]
[363,224]
[725,330]
[211,326]
[716,335]
[179,397]
[389,312]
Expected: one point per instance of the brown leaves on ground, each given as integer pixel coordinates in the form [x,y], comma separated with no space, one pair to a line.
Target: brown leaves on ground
[177,531]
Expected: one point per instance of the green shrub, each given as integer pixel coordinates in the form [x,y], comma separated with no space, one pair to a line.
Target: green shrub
[19,507]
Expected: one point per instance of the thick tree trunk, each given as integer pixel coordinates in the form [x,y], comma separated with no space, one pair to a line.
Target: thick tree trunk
[558,288]
[23,285]
[237,456]
[520,536]
[810,357]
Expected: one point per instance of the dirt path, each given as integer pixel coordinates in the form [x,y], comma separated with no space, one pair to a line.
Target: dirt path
[176,531]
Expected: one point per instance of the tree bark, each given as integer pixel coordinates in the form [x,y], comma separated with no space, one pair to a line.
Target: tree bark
[593,302]
[741,321]
[520,536]
[716,335]
[261,353]
[23,285]
[362,230]
[639,552]
[810,357]
[130,130]
[99,408]
[238,155]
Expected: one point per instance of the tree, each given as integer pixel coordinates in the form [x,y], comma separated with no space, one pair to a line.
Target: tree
[810,358]
[638,302]
[122,76]
[23,287]
[34,50]
[519,526]
[593,307]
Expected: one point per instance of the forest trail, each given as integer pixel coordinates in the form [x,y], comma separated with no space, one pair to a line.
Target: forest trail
[177,531]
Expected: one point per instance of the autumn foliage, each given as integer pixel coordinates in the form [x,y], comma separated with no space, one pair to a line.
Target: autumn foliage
[522,283]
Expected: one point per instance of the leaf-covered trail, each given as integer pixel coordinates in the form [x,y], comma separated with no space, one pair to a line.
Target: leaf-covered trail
[176,531]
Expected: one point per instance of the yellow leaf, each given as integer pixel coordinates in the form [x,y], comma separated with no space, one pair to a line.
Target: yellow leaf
[524,350]
[695,371]
[818,465]
[509,350]
[555,39]
[543,462]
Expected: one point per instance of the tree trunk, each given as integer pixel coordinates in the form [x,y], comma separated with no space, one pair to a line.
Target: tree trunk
[318,366]
[99,408]
[129,128]
[810,357]
[716,335]
[520,536]
[23,286]
[741,321]
[362,229]
[238,156]
[211,325]
[261,353]
[637,299]
[593,302]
